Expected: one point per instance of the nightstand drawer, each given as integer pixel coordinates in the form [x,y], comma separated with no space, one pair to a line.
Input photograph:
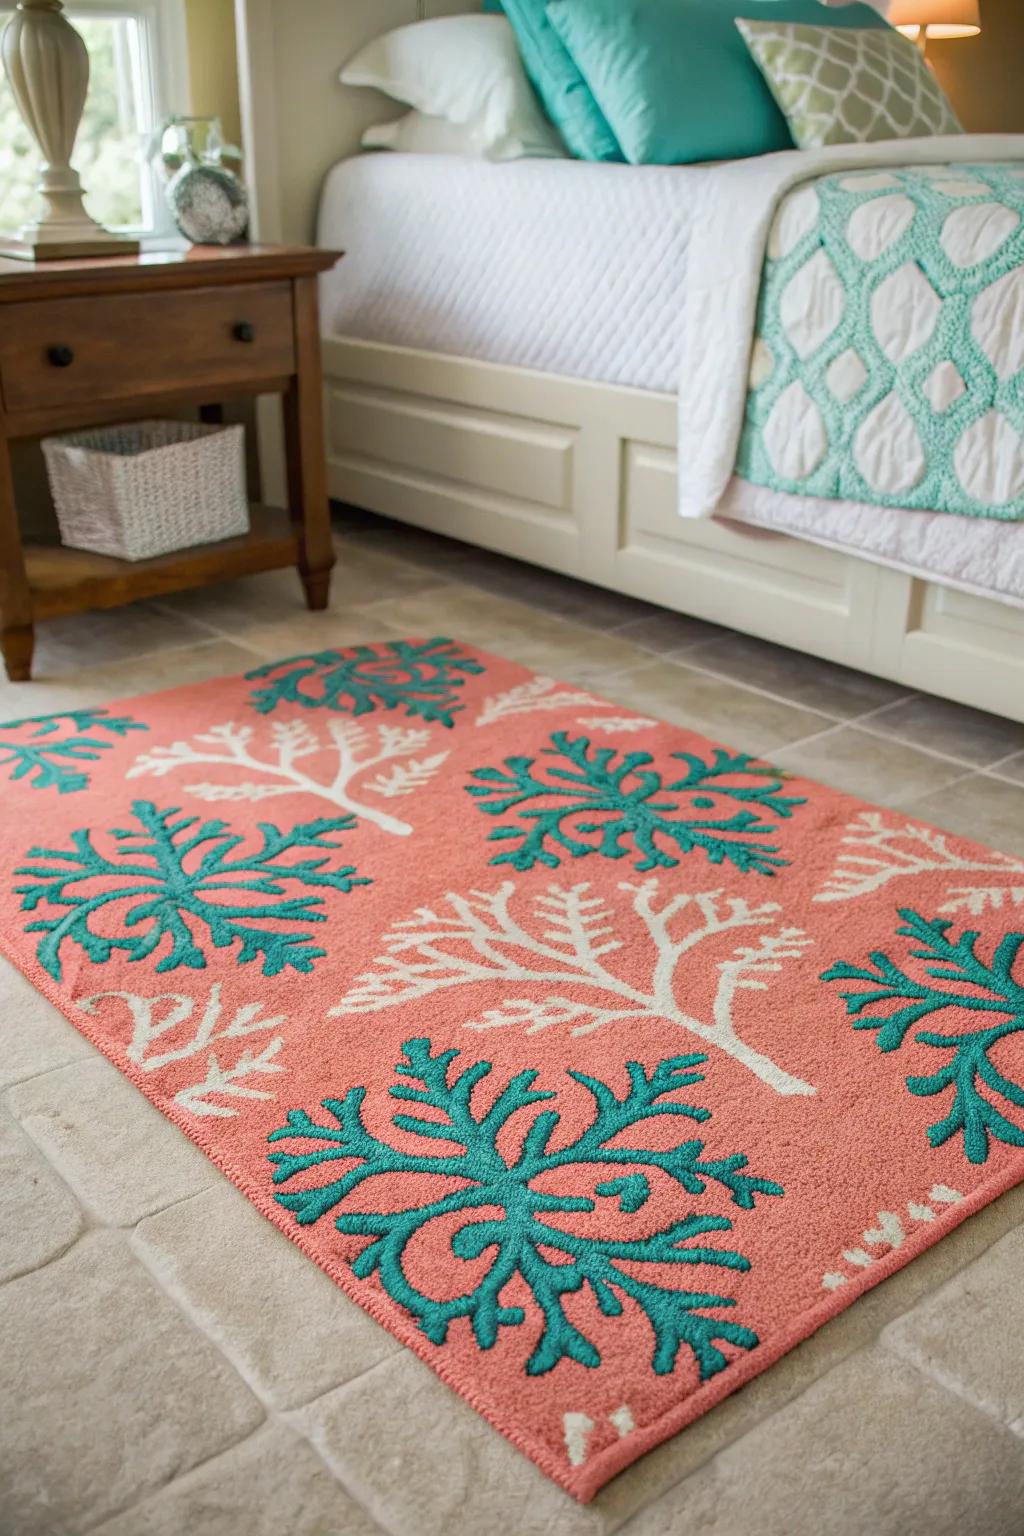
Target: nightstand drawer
[65,351]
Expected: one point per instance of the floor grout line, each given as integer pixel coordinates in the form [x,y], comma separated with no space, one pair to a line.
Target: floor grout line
[687,662]
[622,674]
[178,1477]
[115,661]
[908,804]
[1012,757]
[913,746]
[804,741]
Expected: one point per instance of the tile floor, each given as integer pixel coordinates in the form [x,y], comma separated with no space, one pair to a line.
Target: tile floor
[171,1366]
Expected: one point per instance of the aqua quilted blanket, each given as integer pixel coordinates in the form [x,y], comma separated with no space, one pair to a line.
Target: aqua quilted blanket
[889,349]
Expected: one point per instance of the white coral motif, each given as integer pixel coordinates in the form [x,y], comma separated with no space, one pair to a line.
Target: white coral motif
[224,1082]
[882,851]
[890,1234]
[348,746]
[578,1427]
[565,941]
[405,777]
[538,693]
[543,693]
[977,899]
[615,724]
[151,1024]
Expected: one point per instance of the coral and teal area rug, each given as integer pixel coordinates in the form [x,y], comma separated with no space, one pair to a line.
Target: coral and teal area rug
[599,1063]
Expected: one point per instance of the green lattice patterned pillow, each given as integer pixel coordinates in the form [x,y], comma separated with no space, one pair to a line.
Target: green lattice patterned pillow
[848,85]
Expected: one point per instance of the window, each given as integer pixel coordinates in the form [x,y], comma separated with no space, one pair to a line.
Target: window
[137,77]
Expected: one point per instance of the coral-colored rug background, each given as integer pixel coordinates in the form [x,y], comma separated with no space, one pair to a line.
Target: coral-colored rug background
[604,1139]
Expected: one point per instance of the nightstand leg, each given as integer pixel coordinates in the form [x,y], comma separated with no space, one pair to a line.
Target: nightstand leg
[306,450]
[17,637]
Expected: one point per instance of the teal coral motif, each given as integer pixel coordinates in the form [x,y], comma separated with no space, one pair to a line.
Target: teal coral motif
[48,750]
[911,269]
[421,677]
[590,803]
[169,880]
[974,986]
[521,1243]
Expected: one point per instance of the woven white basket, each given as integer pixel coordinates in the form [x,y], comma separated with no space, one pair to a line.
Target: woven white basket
[147,488]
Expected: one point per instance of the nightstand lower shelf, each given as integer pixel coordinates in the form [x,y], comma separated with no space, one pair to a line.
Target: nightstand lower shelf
[63,580]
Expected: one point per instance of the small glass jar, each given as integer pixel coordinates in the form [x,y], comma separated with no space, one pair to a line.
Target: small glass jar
[206,197]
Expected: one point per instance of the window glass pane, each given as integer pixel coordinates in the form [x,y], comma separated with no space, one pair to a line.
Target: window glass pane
[109,148]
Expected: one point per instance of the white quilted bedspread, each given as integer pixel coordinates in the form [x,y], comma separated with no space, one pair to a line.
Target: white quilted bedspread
[974,554]
[548,264]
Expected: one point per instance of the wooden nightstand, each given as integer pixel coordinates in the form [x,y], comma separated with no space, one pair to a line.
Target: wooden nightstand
[84,343]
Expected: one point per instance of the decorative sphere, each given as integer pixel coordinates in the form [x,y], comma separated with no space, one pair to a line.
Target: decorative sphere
[210,205]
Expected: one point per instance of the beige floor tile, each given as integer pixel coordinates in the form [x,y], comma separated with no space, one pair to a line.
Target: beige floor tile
[806,680]
[276,597]
[313,632]
[967,1336]
[233,606]
[669,634]
[34,1036]
[478,618]
[576,655]
[727,712]
[561,596]
[106,635]
[882,771]
[870,1450]
[118,1153]
[402,541]
[1014,769]
[938,725]
[426,1464]
[123,679]
[272,1485]
[38,1215]
[113,1400]
[513,630]
[987,810]
[245,1285]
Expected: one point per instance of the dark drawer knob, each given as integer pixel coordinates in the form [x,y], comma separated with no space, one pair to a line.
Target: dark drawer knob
[61,357]
[245,332]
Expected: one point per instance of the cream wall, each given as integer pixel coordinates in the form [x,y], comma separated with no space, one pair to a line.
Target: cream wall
[983,75]
[212,63]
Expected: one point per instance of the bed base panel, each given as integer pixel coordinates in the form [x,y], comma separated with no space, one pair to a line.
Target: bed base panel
[580,478]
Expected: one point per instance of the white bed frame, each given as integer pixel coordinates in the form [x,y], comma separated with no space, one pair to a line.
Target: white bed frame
[574,476]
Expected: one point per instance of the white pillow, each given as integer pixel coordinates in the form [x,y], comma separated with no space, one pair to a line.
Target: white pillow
[467,71]
[418,134]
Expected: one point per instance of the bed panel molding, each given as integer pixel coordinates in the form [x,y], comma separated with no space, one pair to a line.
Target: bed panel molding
[514,456]
[504,437]
[731,573]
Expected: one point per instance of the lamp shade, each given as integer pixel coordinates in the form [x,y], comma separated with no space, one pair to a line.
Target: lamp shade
[942,18]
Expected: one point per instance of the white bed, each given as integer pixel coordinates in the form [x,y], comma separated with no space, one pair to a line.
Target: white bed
[502,349]
[579,271]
